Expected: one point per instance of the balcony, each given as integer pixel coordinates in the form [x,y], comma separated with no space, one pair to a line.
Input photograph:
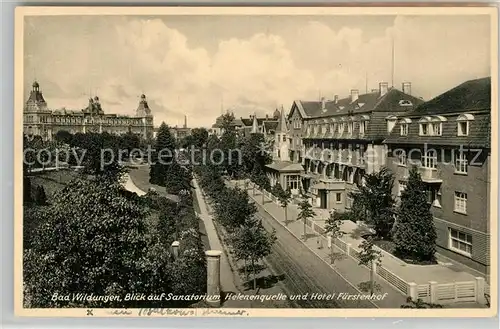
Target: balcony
[430,175]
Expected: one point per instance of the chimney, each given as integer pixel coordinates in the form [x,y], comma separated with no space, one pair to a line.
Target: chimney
[336,98]
[406,86]
[323,104]
[383,88]
[354,95]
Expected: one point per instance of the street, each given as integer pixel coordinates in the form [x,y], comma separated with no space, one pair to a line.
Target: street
[304,272]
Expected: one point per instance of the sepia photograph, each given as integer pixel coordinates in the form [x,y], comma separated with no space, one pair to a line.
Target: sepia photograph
[256,161]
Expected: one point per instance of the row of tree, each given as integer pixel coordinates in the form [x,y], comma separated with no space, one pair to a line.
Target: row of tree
[249,240]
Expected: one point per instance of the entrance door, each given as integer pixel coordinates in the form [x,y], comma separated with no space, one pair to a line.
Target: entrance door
[322,199]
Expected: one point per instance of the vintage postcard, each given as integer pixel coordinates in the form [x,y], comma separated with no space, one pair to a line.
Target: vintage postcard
[256,162]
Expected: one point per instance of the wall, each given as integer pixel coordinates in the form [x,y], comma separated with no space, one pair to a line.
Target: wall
[476,222]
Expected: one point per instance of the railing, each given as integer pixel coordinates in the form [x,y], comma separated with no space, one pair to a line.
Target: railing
[432,292]
[393,279]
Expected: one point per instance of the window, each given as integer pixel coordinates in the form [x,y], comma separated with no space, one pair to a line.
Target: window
[292,182]
[338,197]
[391,122]
[404,129]
[460,242]
[434,196]
[363,127]
[429,159]
[463,128]
[341,128]
[461,164]
[437,128]
[401,156]
[463,124]
[424,129]
[461,202]
[349,127]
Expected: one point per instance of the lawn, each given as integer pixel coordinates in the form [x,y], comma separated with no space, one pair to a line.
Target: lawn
[140,177]
[52,181]
[390,247]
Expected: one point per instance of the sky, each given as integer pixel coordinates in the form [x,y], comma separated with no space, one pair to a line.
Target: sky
[199,66]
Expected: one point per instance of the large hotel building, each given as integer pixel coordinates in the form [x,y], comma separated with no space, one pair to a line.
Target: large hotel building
[323,149]
[448,139]
[42,121]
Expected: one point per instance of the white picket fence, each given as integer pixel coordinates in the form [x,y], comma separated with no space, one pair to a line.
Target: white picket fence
[432,292]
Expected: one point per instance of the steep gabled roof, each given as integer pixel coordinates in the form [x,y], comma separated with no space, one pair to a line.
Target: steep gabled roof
[36,97]
[468,96]
[473,96]
[282,127]
[369,102]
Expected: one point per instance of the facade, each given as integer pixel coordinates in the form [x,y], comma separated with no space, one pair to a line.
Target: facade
[181,132]
[448,139]
[244,126]
[282,170]
[338,141]
[40,120]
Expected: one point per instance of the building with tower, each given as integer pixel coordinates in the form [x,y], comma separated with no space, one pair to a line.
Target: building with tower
[39,120]
[282,170]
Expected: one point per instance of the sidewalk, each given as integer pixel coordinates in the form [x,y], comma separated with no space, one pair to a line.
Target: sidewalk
[420,274]
[226,274]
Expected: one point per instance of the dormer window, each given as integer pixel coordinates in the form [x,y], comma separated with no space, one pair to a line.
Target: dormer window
[404,129]
[437,125]
[437,128]
[341,128]
[391,122]
[463,123]
[405,102]
[403,124]
[424,126]
[362,127]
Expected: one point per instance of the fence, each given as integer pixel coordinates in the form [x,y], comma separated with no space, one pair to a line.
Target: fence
[432,292]
[455,292]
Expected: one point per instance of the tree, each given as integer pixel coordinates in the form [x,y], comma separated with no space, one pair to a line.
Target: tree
[306,212]
[199,137]
[99,153]
[251,241]
[369,257]
[233,208]
[332,227]
[375,197]
[93,240]
[254,153]
[63,137]
[229,146]
[129,142]
[163,156]
[414,233]
[26,190]
[40,197]
[284,198]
